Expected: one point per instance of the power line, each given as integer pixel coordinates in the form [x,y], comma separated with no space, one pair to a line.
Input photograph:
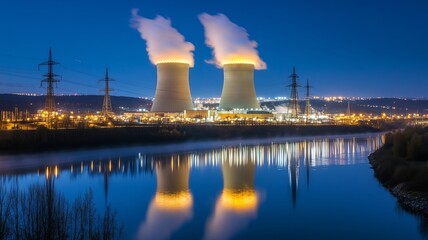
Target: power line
[17,75]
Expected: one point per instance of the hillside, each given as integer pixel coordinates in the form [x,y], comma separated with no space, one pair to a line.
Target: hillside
[81,103]
[93,103]
[372,105]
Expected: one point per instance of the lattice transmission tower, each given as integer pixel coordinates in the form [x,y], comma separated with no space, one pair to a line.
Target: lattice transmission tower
[107,108]
[50,79]
[293,107]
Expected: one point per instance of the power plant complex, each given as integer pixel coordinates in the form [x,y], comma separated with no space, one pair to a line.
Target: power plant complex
[173,90]
[232,51]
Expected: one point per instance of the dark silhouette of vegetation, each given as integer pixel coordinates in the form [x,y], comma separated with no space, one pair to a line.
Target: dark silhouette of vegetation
[403,160]
[401,165]
[43,213]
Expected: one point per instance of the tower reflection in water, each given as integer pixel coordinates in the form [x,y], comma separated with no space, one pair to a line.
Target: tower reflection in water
[238,202]
[172,204]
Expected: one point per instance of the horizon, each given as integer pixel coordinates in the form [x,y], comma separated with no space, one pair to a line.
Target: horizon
[348,49]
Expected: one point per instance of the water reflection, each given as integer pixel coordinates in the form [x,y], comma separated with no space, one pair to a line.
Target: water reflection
[316,152]
[172,205]
[291,155]
[238,202]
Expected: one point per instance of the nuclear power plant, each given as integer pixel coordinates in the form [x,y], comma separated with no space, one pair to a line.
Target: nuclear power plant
[172,88]
[238,87]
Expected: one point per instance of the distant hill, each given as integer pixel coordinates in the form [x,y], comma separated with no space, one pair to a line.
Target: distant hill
[83,103]
[372,105]
[93,103]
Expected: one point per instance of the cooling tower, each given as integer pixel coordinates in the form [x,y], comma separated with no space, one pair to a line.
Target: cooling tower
[172,88]
[238,87]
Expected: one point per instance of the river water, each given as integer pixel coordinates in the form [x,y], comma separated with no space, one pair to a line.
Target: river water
[295,188]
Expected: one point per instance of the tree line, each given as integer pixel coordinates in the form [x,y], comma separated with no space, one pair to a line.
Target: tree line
[41,212]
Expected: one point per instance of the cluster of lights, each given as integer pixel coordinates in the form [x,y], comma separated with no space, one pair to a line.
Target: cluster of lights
[316,152]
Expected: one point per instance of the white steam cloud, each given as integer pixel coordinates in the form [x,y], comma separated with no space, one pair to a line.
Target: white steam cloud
[230,42]
[164,43]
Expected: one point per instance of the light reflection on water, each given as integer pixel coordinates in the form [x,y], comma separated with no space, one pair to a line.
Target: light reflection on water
[313,153]
[173,205]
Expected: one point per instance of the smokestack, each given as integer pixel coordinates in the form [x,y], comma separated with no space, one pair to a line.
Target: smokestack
[172,88]
[238,87]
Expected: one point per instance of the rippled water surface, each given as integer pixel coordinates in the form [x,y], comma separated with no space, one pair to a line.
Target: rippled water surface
[301,188]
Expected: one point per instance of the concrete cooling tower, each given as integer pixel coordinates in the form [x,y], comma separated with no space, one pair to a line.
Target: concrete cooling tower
[238,87]
[172,88]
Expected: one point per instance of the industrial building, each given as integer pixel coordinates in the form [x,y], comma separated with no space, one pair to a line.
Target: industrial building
[172,88]
[245,115]
[238,87]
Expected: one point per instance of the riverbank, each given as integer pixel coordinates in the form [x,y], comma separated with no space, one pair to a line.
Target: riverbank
[401,166]
[19,141]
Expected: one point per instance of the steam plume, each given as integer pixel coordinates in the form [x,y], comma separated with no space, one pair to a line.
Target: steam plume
[230,42]
[164,43]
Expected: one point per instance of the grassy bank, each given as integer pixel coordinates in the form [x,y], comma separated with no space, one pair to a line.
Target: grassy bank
[401,165]
[19,141]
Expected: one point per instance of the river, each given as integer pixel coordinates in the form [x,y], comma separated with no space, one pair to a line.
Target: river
[289,188]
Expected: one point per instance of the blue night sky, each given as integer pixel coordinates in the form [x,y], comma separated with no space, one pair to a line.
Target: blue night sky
[349,48]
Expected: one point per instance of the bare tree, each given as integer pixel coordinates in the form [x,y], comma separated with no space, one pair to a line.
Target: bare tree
[5,207]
